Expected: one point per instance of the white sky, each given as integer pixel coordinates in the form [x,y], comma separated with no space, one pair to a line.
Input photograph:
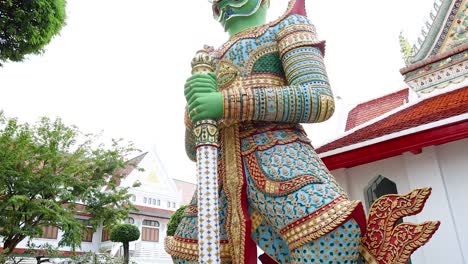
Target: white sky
[119,66]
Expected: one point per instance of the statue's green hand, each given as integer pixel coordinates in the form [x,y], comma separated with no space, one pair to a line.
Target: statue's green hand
[206,106]
[203,99]
[200,83]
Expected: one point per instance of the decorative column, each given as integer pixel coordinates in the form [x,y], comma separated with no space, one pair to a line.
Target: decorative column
[206,142]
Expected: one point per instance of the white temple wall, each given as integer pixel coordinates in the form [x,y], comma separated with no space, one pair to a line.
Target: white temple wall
[341,176]
[445,169]
[358,178]
[85,246]
[424,170]
[453,159]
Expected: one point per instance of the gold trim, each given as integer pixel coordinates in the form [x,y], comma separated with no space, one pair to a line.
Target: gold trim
[257,220]
[367,255]
[296,28]
[189,250]
[233,186]
[291,137]
[326,220]
[298,39]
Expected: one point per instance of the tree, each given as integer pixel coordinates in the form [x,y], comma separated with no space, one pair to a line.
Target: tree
[49,172]
[174,221]
[125,233]
[27,26]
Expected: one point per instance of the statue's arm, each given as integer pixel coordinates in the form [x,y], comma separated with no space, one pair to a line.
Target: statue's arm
[189,138]
[306,99]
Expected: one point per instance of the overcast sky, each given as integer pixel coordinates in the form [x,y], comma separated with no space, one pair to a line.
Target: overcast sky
[119,66]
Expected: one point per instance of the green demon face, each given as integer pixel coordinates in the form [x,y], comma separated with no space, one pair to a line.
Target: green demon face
[223,10]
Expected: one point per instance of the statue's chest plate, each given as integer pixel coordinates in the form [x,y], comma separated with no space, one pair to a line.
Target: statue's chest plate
[248,57]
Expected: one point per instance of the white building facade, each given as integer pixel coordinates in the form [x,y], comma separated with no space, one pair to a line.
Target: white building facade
[156,199]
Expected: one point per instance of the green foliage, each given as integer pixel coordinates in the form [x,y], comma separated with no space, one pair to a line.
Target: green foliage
[125,233]
[93,258]
[176,217]
[26,26]
[46,250]
[47,171]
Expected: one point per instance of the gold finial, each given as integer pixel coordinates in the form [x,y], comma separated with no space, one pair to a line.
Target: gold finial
[203,62]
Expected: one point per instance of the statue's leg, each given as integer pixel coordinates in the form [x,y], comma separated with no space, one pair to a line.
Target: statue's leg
[268,240]
[289,186]
[338,247]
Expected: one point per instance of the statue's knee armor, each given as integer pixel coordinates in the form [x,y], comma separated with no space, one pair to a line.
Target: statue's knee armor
[338,247]
[288,185]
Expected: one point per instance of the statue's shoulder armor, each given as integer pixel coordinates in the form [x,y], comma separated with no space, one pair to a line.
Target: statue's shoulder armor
[297,31]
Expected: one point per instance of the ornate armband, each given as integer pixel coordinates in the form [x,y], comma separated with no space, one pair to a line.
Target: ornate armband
[298,35]
[238,104]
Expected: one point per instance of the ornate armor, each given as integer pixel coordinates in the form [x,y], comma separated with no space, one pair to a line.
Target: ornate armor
[275,192]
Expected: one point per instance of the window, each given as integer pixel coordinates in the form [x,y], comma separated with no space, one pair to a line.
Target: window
[173,205]
[158,203]
[130,220]
[150,231]
[88,234]
[145,199]
[151,223]
[87,231]
[49,232]
[168,204]
[154,202]
[378,187]
[105,235]
[133,198]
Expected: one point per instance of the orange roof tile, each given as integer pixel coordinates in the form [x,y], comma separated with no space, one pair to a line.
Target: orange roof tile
[430,110]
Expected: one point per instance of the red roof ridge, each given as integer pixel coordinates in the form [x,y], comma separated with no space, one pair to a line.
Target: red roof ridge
[373,99]
[373,108]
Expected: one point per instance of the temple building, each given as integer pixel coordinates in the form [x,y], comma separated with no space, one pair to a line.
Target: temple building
[417,136]
[157,197]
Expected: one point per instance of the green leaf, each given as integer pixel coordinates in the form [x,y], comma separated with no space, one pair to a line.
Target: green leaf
[48,170]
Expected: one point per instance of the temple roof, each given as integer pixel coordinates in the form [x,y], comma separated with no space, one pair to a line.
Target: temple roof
[151,211]
[440,58]
[445,30]
[423,112]
[131,165]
